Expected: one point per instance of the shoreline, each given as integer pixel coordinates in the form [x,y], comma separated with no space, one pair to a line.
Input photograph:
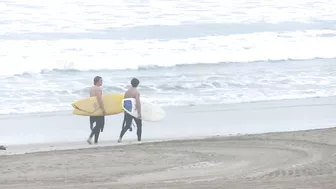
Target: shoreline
[180,122]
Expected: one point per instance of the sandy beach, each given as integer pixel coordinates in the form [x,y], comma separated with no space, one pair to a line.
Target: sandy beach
[287,160]
[248,89]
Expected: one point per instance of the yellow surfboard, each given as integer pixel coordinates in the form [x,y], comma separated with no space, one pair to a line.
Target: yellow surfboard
[90,106]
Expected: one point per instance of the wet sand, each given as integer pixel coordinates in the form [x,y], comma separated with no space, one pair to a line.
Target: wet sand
[286,160]
[181,122]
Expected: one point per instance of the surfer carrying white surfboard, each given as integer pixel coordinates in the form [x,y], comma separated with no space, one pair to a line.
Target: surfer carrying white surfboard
[99,120]
[132,93]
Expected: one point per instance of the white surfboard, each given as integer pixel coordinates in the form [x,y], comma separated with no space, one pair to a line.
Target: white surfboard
[149,111]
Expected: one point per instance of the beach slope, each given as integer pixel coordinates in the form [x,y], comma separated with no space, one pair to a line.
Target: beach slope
[301,159]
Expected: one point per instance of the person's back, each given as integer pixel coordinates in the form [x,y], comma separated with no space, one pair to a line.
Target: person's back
[132,93]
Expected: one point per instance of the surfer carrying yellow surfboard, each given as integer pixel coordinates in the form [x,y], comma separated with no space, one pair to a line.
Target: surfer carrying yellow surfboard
[99,120]
[132,93]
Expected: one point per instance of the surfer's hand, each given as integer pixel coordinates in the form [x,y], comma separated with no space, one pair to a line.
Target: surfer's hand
[104,113]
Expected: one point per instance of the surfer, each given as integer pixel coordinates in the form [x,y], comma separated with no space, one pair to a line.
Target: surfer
[99,120]
[127,122]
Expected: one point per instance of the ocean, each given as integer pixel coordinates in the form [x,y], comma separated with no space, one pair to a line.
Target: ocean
[185,53]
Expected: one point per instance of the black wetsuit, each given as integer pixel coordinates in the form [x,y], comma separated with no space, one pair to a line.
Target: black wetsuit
[123,124]
[127,123]
[100,122]
[93,120]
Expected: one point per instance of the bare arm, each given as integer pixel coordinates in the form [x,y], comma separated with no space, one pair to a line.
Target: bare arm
[99,94]
[138,104]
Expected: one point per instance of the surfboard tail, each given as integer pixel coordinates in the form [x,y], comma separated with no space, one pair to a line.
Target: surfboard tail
[128,105]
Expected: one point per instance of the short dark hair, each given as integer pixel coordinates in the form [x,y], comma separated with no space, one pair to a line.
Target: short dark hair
[135,82]
[96,79]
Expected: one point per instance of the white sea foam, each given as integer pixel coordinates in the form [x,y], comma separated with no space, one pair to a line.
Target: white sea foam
[33,56]
[186,85]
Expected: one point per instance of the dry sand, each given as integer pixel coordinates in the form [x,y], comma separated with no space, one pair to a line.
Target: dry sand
[303,159]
